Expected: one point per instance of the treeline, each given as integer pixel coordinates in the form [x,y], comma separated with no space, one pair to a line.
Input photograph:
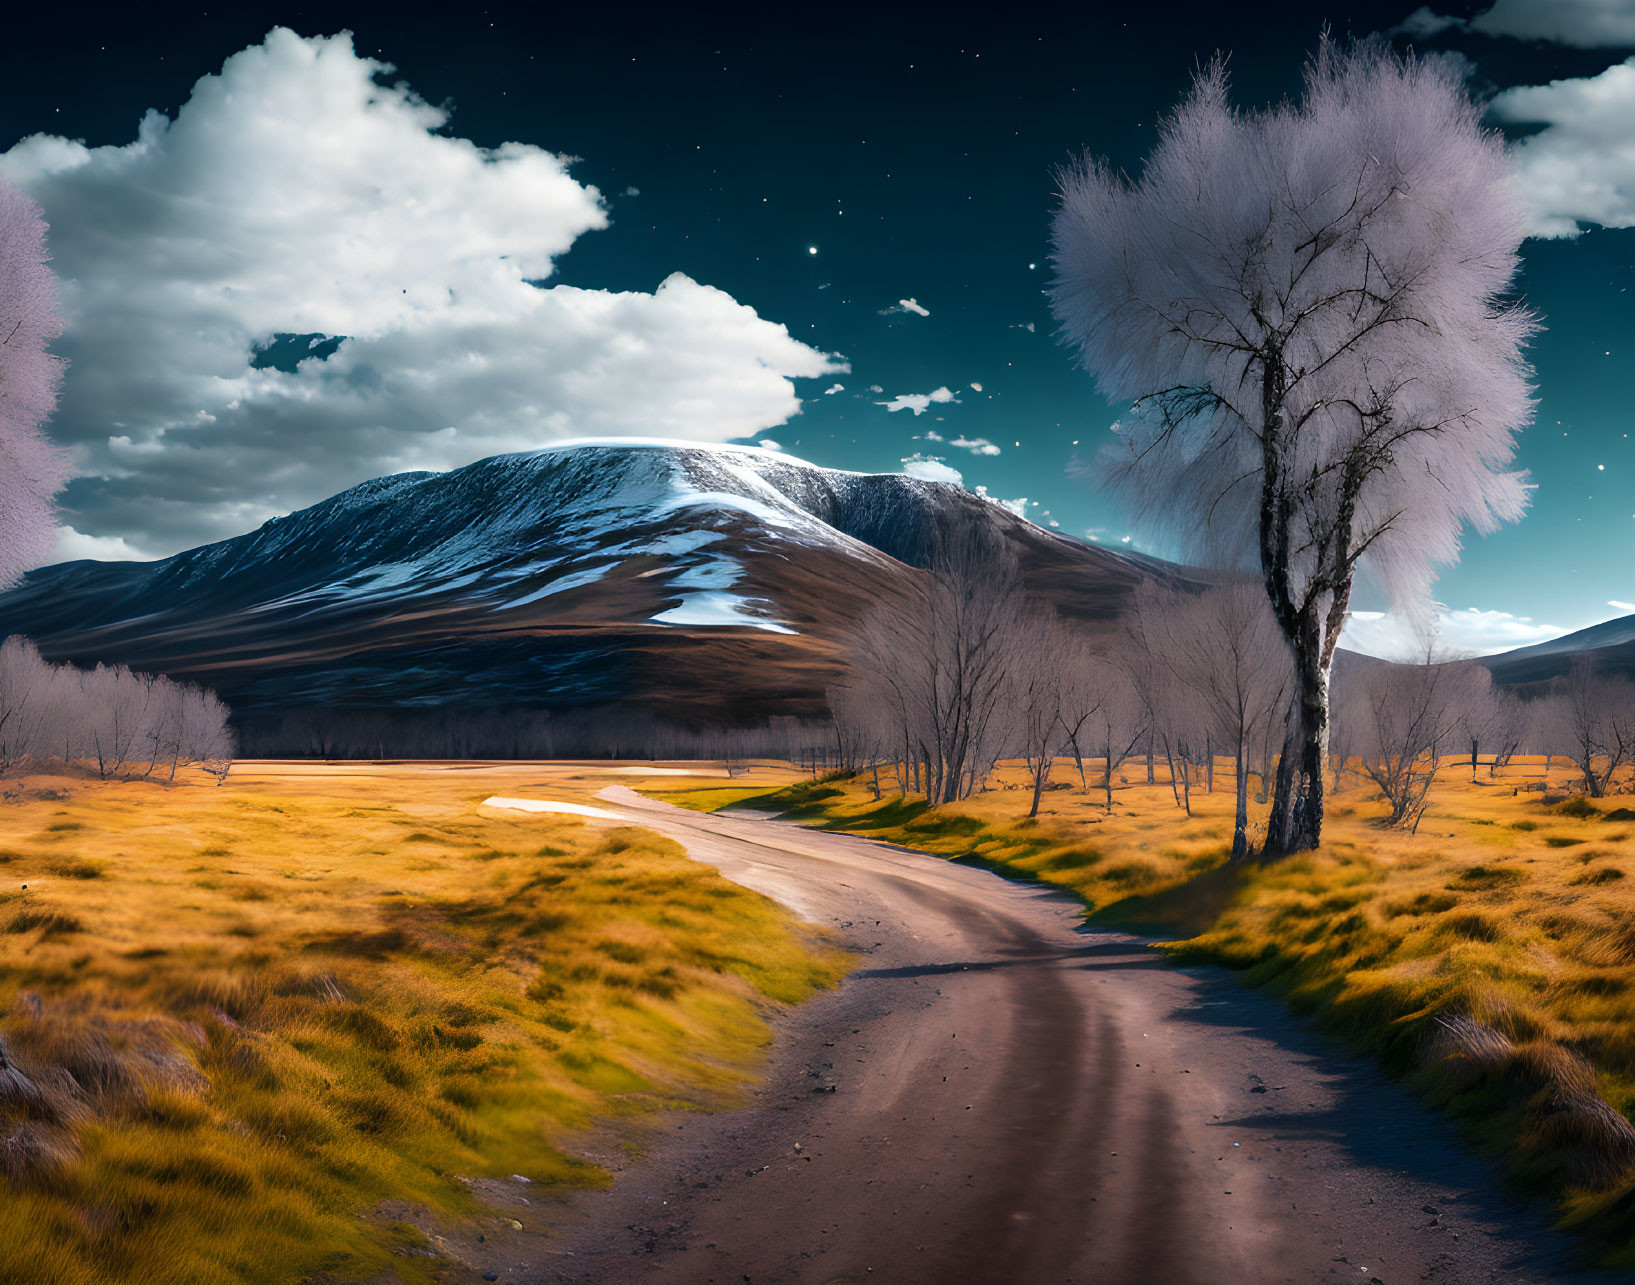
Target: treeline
[966,670]
[123,723]
[592,733]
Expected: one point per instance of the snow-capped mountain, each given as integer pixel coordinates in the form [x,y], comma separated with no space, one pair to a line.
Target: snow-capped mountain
[701,583]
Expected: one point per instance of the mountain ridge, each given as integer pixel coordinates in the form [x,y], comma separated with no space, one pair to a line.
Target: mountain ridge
[702,585]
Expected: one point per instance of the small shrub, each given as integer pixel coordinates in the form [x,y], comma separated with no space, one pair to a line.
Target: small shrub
[1072,859]
[1600,875]
[1580,807]
[47,921]
[1426,903]
[934,824]
[1561,841]
[1470,926]
[1130,874]
[73,868]
[1482,878]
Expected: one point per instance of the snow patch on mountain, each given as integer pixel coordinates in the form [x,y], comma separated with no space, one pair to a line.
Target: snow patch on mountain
[573,580]
[719,608]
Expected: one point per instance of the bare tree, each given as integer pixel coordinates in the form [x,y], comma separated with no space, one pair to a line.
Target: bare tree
[1082,678]
[131,724]
[1591,717]
[1510,722]
[1049,682]
[31,470]
[1165,710]
[25,703]
[1226,658]
[1405,718]
[1117,725]
[938,658]
[869,723]
[1482,721]
[203,736]
[1306,307]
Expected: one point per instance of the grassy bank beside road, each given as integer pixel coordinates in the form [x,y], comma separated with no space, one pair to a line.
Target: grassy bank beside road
[1490,958]
[272,1031]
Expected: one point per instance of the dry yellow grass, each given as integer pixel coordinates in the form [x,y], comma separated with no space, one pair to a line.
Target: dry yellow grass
[239,1019]
[1490,957]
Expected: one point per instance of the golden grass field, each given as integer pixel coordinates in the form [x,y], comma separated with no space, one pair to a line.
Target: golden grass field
[273,1030]
[1490,957]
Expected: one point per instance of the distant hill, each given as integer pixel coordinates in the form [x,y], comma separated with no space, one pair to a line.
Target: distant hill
[693,586]
[1609,645]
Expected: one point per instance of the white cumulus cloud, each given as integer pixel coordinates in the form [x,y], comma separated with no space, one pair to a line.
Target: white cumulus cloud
[919,403]
[71,545]
[928,468]
[1622,606]
[767,444]
[833,389]
[976,445]
[297,193]
[1581,167]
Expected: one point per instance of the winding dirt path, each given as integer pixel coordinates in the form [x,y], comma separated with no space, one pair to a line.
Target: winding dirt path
[998,1095]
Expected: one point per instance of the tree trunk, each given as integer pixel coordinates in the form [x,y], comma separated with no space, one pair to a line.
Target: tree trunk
[1240,822]
[1078,758]
[1209,765]
[1297,806]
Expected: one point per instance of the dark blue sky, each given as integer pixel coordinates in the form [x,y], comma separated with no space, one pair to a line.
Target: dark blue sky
[913,146]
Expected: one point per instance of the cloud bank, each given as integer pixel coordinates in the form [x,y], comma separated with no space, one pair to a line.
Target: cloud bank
[1471,632]
[1581,167]
[1588,24]
[297,200]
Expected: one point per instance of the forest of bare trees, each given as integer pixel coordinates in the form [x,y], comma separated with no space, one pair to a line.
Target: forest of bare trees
[597,732]
[968,671]
[110,719]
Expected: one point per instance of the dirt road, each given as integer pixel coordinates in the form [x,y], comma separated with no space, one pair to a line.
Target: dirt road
[997,1095]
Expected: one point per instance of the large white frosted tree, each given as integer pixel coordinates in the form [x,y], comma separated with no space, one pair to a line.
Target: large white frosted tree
[1308,307]
[30,470]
